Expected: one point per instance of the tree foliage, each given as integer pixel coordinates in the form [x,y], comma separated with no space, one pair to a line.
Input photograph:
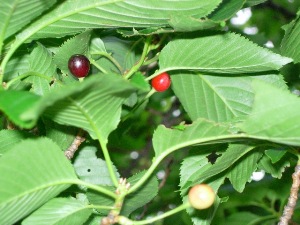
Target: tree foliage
[232,111]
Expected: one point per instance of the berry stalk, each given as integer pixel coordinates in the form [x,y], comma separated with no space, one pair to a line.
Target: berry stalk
[125,221]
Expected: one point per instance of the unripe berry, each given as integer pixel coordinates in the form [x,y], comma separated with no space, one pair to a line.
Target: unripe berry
[201,196]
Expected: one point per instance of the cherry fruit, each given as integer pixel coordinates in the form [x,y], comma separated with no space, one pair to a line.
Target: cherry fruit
[201,196]
[79,65]
[161,82]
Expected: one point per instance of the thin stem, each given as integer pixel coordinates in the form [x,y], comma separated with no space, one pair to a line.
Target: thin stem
[108,162]
[162,39]
[102,143]
[150,93]
[121,193]
[27,74]
[108,56]
[166,152]
[126,221]
[92,61]
[154,75]
[99,207]
[148,173]
[137,66]
[152,60]
[96,188]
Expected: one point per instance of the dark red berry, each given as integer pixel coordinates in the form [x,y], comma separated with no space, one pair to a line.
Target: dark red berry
[161,82]
[79,65]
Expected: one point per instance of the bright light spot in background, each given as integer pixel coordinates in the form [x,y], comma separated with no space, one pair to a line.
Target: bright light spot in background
[241,17]
[269,44]
[251,30]
[176,113]
[160,174]
[296,92]
[160,213]
[134,155]
[163,103]
[171,206]
[258,175]
[291,1]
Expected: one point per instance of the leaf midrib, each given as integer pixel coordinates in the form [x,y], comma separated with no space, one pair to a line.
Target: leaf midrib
[220,96]
[88,118]
[27,33]
[39,188]
[6,23]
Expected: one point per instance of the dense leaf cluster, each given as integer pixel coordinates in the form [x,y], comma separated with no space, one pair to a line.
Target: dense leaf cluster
[232,110]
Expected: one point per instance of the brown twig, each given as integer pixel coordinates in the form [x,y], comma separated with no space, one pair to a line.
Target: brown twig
[167,173]
[291,204]
[69,153]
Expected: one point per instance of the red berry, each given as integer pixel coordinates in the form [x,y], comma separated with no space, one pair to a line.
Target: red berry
[79,65]
[161,82]
[201,196]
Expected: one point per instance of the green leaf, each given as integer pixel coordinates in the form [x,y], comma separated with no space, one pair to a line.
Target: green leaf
[72,17]
[217,98]
[290,45]
[275,115]
[142,196]
[76,45]
[226,9]
[60,211]
[63,136]
[204,217]
[219,53]
[124,52]
[250,3]
[232,155]
[240,173]
[133,201]
[138,80]
[75,16]
[93,220]
[275,169]
[8,138]
[100,199]
[194,165]
[191,168]
[43,68]
[275,154]
[245,218]
[188,23]
[97,47]
[90,168]
[147,31]
[93,105]
[201,131]
[13,109]
[15,14]
[189,171]
[18,64]
[32,173]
